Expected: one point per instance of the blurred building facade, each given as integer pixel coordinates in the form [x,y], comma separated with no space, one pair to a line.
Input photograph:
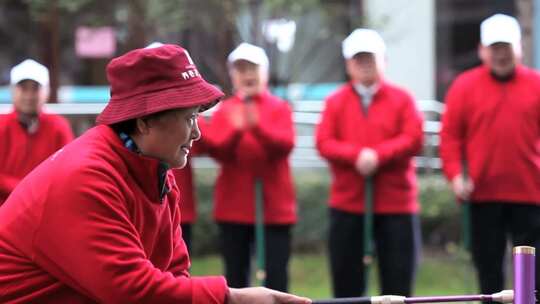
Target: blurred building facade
[429,42]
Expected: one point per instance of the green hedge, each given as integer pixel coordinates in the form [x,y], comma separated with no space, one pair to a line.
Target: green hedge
[439,216]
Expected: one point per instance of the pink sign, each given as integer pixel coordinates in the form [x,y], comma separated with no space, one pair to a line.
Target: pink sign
[95,42]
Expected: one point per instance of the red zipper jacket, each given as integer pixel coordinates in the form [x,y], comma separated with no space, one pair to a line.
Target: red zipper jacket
[188,199]
[20,152]
[496,126]
[97,230]
[258,153]
[392,126]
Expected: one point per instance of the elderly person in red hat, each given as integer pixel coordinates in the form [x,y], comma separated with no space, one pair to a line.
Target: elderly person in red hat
[27,135]
[369,132]
[251,136]
[104,224]
[184,180]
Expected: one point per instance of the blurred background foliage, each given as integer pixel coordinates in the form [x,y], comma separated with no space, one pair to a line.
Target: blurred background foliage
[210,29]
[440,216]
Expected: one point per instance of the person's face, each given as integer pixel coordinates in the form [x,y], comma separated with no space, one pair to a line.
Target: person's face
[363,69]
[500,58]
[170,136]
[28,97]
[247,78]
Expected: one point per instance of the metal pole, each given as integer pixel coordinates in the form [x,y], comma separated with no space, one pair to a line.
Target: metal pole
[505,296]
[465,251]
[465,213]
[359,300]
[260,273]
[524,275]
[368,227]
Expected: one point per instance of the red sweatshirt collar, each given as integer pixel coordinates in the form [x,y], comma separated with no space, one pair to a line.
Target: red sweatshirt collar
[14,116]
[144,170]
[380,91]
[519,70]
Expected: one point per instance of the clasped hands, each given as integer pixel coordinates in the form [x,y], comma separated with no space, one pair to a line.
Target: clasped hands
[244,115]
[367,162]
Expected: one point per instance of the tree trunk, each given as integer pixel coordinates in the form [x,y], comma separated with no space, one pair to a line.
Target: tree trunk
[52,49]
[136,25]
[525,16]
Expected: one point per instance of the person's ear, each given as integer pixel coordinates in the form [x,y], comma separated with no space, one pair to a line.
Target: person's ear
[349,66]
[43,94]
[142,126]
[381,60]
[482,52]
[230,71]
[264,74]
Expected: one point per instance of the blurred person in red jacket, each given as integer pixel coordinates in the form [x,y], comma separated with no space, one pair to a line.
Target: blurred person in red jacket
[104,223]
[188,200]
[27,135]
[371,128]
[252,135]
[492,125]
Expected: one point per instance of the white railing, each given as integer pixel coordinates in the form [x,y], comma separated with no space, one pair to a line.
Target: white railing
[306,115]
[307,112]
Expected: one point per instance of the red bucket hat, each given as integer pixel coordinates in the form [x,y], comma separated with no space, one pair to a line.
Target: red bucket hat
[151,80]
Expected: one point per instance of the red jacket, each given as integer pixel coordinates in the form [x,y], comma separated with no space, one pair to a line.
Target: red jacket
[496,126]
[188,199]
[245,155]
[392,127]
[20,152]
[96,230]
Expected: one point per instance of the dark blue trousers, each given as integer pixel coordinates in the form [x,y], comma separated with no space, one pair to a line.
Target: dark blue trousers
[493,225]
[238,244]
[397,244]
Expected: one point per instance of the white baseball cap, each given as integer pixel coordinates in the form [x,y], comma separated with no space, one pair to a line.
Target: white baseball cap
[251,53]
[500,28]
[154,45]
[32,70]
[363,40]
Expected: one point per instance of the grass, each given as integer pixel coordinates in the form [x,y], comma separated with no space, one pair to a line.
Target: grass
[438,274]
